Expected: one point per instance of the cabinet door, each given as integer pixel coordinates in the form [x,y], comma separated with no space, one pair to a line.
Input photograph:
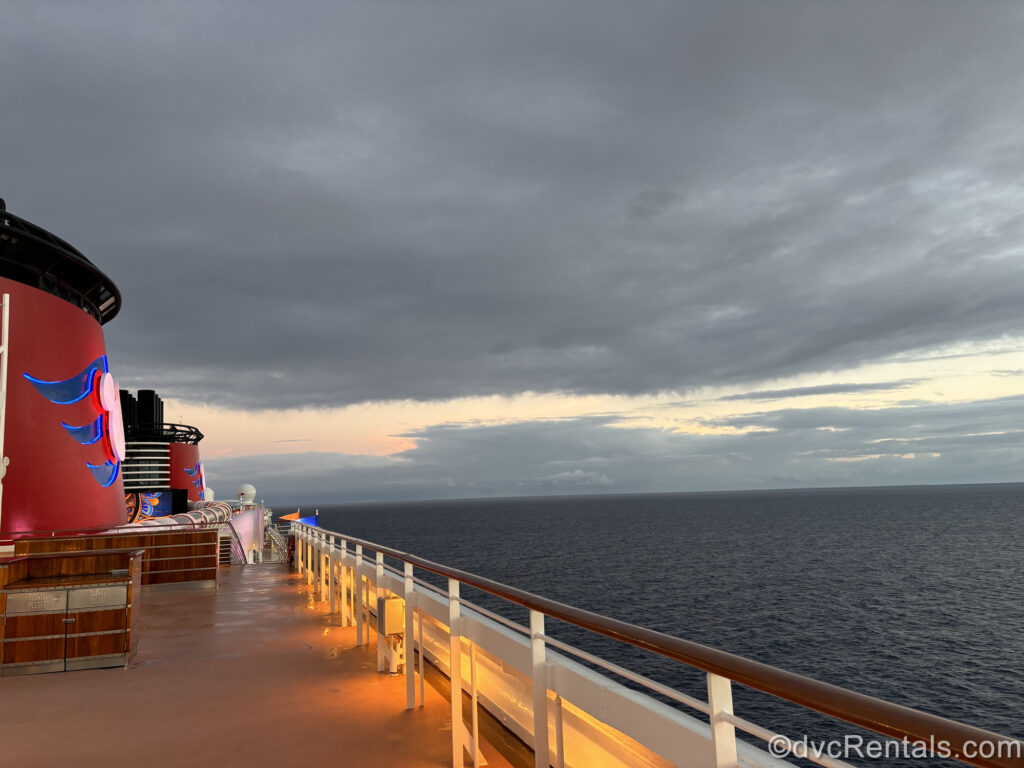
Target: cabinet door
[34,632]
[96,627]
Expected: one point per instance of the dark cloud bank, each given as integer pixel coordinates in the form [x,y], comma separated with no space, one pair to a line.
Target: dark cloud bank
[318,204]
[367,201]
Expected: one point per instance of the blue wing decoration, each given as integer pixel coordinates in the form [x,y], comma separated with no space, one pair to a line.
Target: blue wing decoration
[88,434]
[74,389]
[194,472]
[105,473]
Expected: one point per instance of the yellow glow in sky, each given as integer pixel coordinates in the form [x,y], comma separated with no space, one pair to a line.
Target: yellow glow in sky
[946,376]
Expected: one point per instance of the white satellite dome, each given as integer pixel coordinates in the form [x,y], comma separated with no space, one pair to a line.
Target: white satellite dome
[208,494]
[246,493]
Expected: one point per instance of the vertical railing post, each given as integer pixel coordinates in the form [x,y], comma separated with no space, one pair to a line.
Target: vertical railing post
[365,601]
[455,670]
[331,585]
[473,704]
[357,594]
[319,573]
[327,564]
[408,639]
[559,734]
[317,560]
[723,733]
[540,690]
[421,660]
[382,639]
[299,545]
[326,576]
[319,543]
[346,618]
[305,555]
[311,559]
[310,565]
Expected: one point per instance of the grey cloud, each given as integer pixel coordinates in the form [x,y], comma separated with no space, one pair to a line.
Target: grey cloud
[823,389]
[972,442]
[650,203]
[327,204]
[994,415]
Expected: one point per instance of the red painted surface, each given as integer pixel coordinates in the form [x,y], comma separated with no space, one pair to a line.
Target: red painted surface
[47,485]
[184,456]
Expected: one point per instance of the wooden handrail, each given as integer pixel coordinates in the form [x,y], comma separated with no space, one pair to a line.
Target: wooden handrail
[855,708]
[108,530]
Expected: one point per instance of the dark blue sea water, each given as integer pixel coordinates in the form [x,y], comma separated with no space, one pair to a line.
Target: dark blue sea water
[914,595]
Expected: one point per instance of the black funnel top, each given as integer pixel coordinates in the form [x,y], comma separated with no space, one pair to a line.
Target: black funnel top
[31,255]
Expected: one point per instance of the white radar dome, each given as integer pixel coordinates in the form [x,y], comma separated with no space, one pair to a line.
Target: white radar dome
[208,494]
[246,493]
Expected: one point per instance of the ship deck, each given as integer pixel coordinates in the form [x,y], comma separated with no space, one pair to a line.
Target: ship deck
[254,673]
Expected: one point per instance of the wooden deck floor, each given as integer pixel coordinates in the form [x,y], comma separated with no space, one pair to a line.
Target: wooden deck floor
[254,674]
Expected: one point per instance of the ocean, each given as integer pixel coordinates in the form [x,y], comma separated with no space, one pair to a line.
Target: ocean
[911,594]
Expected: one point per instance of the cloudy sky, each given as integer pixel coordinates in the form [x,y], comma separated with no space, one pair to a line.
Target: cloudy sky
[384,250]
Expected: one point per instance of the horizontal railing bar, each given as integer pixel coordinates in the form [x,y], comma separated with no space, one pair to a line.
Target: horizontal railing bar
[496,617]
[768,736]
[475,606]
[841,703]
[432,587]
[134,529]
[752,728]
[664,690]
[464,601]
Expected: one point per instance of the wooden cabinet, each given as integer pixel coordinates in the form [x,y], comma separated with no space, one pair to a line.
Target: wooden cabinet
[69,620]
[182,558]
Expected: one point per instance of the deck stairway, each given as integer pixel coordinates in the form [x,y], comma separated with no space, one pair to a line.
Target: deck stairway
[275,545]
[230,550]
[224,551]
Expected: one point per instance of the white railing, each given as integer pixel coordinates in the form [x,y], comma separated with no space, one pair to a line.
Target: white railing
[588,718]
